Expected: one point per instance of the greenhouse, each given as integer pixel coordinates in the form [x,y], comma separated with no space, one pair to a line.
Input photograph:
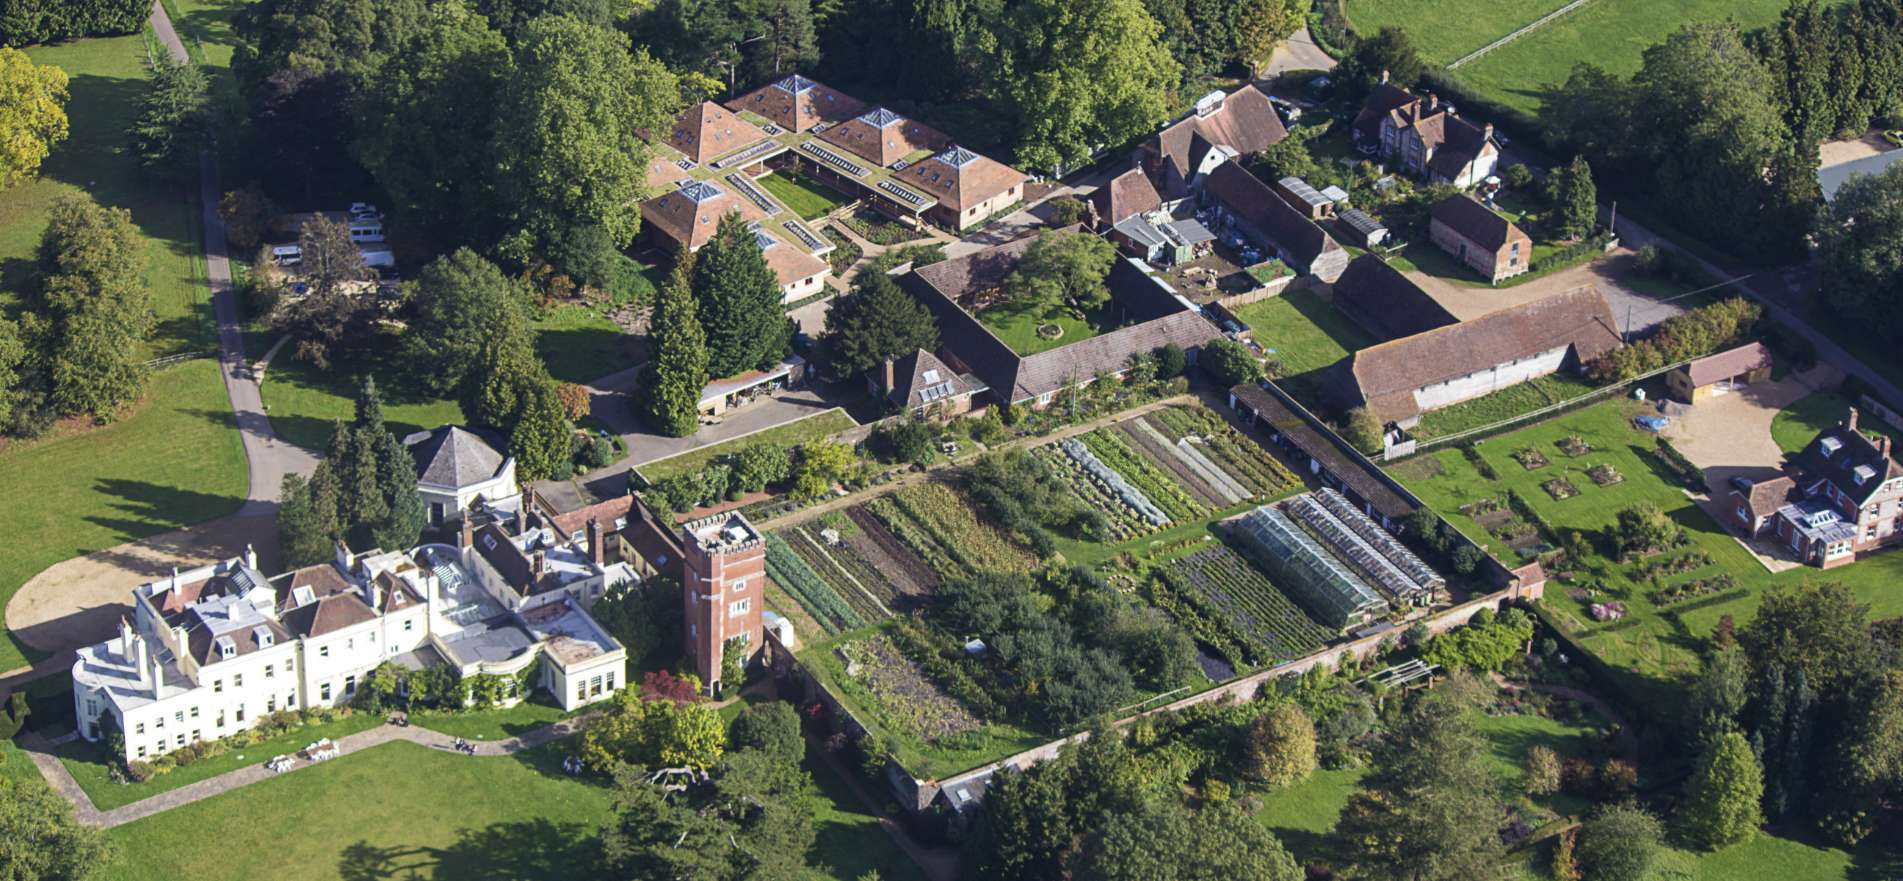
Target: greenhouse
[1356,538]
[1308,572]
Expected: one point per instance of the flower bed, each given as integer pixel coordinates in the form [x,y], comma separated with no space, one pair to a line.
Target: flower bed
[1560,489]
[904,695]
[1275,627]
[1604,474]
[820,600]
[1573,446]
[1694,589]
[1531,459]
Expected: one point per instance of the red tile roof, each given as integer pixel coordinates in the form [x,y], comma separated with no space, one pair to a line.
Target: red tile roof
[960,178]
[796,103]
[1245,122]
[1727,364]
[691,215]
[1126,195]
[883,137]
[707,131]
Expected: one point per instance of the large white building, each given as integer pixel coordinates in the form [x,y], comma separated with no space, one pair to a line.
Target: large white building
[208,651]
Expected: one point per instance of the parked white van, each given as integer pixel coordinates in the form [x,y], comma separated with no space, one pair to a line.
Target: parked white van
[371,231]
[287,255]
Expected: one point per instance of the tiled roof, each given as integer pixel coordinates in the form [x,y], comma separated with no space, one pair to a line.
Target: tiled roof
[1477,222]
[707,131]
[1126,195]
[883,137]
[1383,100]
[328,615]
[1386,303]
[1322,447]
[921,379]
[1766,496]
[1257,203]
[790,263]
[960,178]
[1385,376]
[1246,123]
[1836,454]
[1729,363]
[796,103]
[662,172]
[691,215]
[454,457]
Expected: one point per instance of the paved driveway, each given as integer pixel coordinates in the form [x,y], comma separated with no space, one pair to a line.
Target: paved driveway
[1612,275]
[1298,52]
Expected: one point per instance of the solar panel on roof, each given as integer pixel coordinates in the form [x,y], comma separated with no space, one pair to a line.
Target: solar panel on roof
[902,194]
[834,159]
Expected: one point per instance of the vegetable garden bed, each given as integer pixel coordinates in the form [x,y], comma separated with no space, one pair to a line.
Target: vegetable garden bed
[1228,588]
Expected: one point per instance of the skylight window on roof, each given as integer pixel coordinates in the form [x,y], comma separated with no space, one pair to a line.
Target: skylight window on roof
[958,157]
[931,376]
[795,85]
[879,117]
[700,192]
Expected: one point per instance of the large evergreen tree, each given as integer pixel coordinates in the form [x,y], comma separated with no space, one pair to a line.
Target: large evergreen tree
[1722,800]
[875,322]
[675,376]
[739,303]
[1860,246]
[542,439]
[1428,812]
[93,310]
[465,314]
[403,514]
[1575,200]
[173,122]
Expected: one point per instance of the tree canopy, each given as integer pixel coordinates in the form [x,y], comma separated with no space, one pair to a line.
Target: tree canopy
[675,376]
[32,113]
[1064,268]
[739,302]
[1860,247]
[93,310]
[875,322]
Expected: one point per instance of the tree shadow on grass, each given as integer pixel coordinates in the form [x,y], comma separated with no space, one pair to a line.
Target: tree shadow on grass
[151,507]
[527,850]
[584,354]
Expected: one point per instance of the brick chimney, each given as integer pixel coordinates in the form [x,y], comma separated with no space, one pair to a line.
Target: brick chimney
[469,530]
[1850,422]
[596,547]
[1384,75]
[1883,445]
[522,518]
[538,565]
[1486,134]
[888,385]
[1433,102]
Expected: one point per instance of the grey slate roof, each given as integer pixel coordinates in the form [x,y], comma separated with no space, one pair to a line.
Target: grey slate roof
[453,456]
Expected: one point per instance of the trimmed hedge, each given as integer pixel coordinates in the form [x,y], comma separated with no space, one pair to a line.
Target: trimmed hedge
[24,22]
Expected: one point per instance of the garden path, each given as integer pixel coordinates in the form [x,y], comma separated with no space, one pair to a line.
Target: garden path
[40,752]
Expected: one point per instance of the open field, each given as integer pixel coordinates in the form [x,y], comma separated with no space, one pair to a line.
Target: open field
[174,461]
[1445,30]
[815,427]
[1794,426]
[580,345]
[1610,33]
[305,402]
[107,75]
[1655,641]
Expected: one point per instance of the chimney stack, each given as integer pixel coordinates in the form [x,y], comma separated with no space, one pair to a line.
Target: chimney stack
[158,677]
[250,556]
[539,564]
[469,529]
[889,385]
[596,551]
[522,518]
[139,642]
[125,638]
[1433,101]
[1851,421]
[1384,75]
[343,556]
[1487,133]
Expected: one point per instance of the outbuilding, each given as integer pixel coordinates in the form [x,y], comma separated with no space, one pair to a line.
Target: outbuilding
[1719,374]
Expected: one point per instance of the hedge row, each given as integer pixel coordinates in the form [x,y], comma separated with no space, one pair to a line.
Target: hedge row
[25,22]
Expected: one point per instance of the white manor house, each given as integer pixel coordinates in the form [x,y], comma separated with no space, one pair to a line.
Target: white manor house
[209,651]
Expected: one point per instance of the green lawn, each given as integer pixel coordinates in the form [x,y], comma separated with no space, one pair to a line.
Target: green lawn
[1302,815]
[174,461]
[1511,737]
[814,427]
[1303,331]
[851,841]
[1017,323]
[580,345]
[1610,33]
[304,402]
[1652,645]
[1795,426]
[1503,404]
[1445,30]
[87,762]
[107,76]
[493,724]
[802,195]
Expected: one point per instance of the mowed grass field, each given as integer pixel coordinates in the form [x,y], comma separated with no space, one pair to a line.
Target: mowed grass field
[107,75]
[1445,30]
[406,811]
[1303,331]
[1613,34]
[174,461]
[305,403]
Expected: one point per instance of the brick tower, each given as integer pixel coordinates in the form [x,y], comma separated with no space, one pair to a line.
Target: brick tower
[723,588]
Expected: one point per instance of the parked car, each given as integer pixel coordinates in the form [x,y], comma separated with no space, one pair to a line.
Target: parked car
[1894,136]
[365,211]
[287,255]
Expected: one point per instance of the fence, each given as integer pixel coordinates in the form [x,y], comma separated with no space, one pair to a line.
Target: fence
[180,358]
[1542,22]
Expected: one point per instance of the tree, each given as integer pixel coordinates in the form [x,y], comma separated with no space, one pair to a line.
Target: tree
[1542,771]
[773,728]
[1565,865]
[1818,629]
[333,318]
[1261,24]
[247,213]
[1642,529]
[40,840]
[306,521]
[876,322]
[1361,429]
[1721,801]
[748,819]
[541,437]
[1865,762]
[473,313]
[1071,76]
[1230,363]
[1170,361]
[1860,246]
[1279,746]
[403,516]
[13,362]
[787,40]
[656,734]
[349,37]
[1063,268]
[1428,812]
[1149,843]
[568,141]
[1718,695]
[415,131]
[1388,56]
[93,309]
[1518,176]
[1619,843]
[32,114]
[758,465]
[671,386]
[739,302]
[821,464]
[174,118]
[1570,190]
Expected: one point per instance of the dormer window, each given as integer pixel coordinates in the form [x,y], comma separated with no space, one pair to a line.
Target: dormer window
[264,636]
[226,648]
[1829,445]
[1863,474]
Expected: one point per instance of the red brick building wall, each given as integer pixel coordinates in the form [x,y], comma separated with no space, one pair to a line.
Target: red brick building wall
[723,596]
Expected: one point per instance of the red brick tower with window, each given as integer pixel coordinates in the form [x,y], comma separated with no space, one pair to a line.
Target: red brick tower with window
[723,589]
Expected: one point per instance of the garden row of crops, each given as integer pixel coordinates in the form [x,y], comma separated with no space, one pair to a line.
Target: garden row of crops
[902,696]
[1125,522]
[1244,459]
[813,593]
[938,523]
[862,588]
[1236,591]
[1112,450]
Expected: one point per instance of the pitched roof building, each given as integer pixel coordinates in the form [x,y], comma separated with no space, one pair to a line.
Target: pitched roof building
[689,216]
[920,382]
[1842,495]
[1126,195]
[969,187]
[883,137]
[1480,238]
[1252,208]
[797,104]
[455,467]
[1221,127]
[708,131]
[1385,302]
[1424,137]
[1400,379]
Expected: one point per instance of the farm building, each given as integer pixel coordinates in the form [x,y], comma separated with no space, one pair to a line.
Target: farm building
[1244,206]
[1386,303]
[1720,374]
[1160,240]
[1305,198]
[1400,379]
[1221,128]
[921,384]
[1127,195]
[1482,240]
[969,187]
[1319,453]
[1359,228]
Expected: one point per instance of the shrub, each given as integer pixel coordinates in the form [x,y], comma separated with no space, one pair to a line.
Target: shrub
[1068,210]
[1170,362]
[14,717]
[1230,363]
[1619,843]
[1542,771]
